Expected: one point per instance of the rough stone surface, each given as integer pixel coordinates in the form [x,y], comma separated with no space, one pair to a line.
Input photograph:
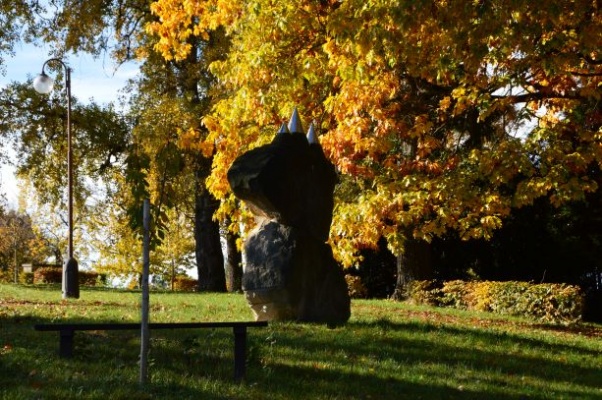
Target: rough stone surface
[271,178]
[320,199]
[290,272]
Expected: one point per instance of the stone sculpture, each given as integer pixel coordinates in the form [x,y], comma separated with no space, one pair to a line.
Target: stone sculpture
[290,273]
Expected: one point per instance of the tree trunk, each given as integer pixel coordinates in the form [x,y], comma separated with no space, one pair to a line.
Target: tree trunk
[173,274]
[233,262]
[414,263]
[209,257]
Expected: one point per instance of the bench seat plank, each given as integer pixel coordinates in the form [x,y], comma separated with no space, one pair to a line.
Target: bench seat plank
[153,325]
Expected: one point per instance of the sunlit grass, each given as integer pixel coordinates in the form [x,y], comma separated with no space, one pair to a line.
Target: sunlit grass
[387,351]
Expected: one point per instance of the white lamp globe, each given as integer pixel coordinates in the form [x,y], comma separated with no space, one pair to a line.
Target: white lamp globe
[43,83]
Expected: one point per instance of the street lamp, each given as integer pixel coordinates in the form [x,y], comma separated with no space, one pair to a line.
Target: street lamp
[44,84]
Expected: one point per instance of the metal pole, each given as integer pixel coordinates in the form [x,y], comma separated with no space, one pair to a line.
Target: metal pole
[71,279]
[43,84]
[16,265]
[70,269]
[144,331]
[69,165]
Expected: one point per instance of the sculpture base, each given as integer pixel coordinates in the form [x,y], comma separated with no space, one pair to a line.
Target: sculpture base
[290,275]
[270,305]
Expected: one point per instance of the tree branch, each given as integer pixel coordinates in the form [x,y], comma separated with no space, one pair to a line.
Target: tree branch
[527,97]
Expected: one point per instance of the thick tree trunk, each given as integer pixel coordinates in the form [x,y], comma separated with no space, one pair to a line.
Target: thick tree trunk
[233,263]
[415,263]
[209,256]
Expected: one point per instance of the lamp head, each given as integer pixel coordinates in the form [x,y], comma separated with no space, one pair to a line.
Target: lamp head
[43,83]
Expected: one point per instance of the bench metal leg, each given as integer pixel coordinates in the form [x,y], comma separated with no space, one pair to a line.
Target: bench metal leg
[240,352]
[66,343]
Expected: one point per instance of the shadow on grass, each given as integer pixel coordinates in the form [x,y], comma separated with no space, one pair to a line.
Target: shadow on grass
[487,336]
[401,354]
[589,329]
[486,350]
[378,360]
[104,365]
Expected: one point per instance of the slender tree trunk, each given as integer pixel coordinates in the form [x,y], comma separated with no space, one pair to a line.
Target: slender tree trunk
[233,262]
[58,256]
[173,274]
[209,256]
[414,263]
[16,265]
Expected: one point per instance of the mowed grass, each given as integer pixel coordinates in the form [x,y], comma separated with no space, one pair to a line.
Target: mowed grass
[387,350]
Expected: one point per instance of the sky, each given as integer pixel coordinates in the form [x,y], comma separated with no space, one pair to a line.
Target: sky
[90,79]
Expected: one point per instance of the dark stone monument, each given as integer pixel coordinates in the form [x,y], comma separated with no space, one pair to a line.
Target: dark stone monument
[290,273]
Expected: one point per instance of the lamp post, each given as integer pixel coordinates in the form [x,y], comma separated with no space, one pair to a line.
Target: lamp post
[44,84]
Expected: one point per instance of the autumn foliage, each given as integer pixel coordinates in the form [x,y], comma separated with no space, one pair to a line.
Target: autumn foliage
[440,115]
[547,303]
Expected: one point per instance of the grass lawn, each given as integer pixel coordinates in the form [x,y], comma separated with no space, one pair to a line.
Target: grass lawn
[387,350]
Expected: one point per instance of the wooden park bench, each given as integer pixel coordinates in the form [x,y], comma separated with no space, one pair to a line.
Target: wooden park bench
[67,333]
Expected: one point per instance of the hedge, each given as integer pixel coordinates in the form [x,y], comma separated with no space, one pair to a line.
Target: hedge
[185,284]
[55,275]
[355,287]
[26,278]
[48,275]
[546,302]
[91,278]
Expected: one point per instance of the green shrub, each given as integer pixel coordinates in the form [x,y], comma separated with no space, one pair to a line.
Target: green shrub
[48,275]
[91,278]
[479,295]
[356,287]
[185,284]
[26,278]
[455,294]
[547,303]
[6,276]
[55,275]
[424,292]
[554,303]
[508,297]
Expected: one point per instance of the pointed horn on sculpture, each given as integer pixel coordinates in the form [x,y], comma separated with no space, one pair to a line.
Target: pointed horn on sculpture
[312,138]
[294,125]
[283,129]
